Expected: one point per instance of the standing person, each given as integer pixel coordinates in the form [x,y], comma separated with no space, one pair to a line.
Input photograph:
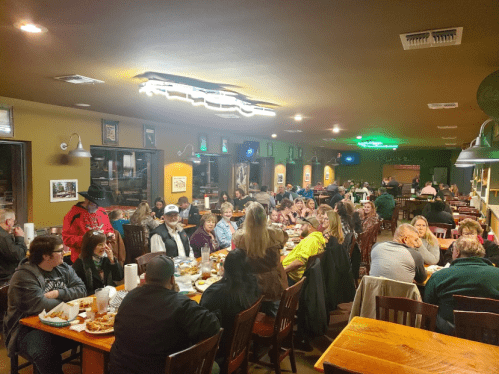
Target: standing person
[428,189]
[12,247]
[142,217]
[455,191]
[96,266]
[263,244]
[223,198]
[117,221]
[415,183]
[370,216]
[384,203]
[307,192]
[281,194]
[188,211]
[159,207]
[154,321]
[41,282]
[263,197]
[85,216]
[204,235]
[171,237]
[240,199]
[429,248]
[225,228]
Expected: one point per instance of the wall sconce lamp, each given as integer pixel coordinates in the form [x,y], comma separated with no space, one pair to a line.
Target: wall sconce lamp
[192,158]
[480,151]
[79,151]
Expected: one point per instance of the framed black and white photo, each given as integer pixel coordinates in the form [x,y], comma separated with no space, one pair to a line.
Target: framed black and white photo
[225,145]
[149,136]
[110,132]
[280,178]
[203,142]
[63,190]
[270,150]
[6,122]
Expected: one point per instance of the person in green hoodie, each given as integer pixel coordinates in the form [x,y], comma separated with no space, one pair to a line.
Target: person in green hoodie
[384,204]
[296,262]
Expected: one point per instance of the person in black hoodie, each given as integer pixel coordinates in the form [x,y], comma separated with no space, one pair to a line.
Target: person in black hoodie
[437,214]
[97,267]
[337,195]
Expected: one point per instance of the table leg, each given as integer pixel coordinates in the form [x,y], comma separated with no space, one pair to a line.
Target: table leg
[94,361]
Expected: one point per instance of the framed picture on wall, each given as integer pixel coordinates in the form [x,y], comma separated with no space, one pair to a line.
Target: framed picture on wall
[149,136]
[225,145]
[179,184]
[109,132]
[280,178]
[203,142]
[327,176]
[300,153]
[242,177]
[6,122]
[63,190]
[495,132]
[270,150]
[290,153]
[307,177]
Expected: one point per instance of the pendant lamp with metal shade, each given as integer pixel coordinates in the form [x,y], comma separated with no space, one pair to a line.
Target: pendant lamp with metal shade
[79,151]
[481,151]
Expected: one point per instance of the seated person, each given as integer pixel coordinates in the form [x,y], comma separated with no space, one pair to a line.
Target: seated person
[274,217]
[429,249]
[97,267]
[225,227]
[263,197]
[314,242]
[437,214]
[306,192]
[236,291]
[159,207]
[142,217]
[370,216]
[470,228]
[281,194]
[154,321]
[224,198]
[117,221]
[298,209]
[444,192]
[286,215]
[321,215]
[41,281]
[204,235]
[333,233]
[12,247]
[309,208]
[346,220]
[171,237]
[427,207]
[337,194]
[355,216]
[188,211]
[384,203]
[469,275]
[241,199]
[397,259]
[428,189]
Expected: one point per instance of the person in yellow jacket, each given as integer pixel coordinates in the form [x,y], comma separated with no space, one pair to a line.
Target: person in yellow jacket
[295,263]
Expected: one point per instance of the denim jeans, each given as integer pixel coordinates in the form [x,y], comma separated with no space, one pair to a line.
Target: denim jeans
[43,348]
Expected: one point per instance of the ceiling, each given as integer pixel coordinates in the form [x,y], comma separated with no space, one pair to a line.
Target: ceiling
[335,62]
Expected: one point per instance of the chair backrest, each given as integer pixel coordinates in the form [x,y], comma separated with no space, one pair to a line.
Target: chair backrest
[476,304]
[458,203]
[446,226]
[352,246]
[330,368]
[285,318]
[478,326]
[395,214]
[365,245]
[408,307]
[465,209]
[144,259]
[213,206]
[455,234]
[240,339]
[465,216]
[439,232]
[135,242]
[311,259]
[196,359]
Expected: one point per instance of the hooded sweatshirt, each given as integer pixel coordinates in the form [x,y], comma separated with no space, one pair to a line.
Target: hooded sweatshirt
[310,246]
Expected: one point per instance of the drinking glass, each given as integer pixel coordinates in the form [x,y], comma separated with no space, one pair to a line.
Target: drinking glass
[102,298]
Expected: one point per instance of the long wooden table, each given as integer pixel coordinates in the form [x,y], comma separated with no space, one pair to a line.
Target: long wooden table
[445,243]
[370,346]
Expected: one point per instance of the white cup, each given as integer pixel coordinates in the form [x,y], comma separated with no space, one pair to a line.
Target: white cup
[102,298]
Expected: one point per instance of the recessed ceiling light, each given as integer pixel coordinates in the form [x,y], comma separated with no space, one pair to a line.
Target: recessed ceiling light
[82,104]
[31,28]
[450,143]
[298,117]
[274,135]
[359,137]
[336,130]
[446,127]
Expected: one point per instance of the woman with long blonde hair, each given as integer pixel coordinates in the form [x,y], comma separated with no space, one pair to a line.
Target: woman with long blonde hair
[333,228]
[263,244]
[142,217]
[429,249]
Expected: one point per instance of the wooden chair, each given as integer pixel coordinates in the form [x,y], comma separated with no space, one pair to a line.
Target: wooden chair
[273,331]
[458,203]
[455,234]
[135,242]
[365,244]
[144,259]
[391,223]
[438,232]
[478,326]
[311,259]
[74,358]
[410,307]
[476,304]
[197,359]
[330,368]
[467,209]
[238,344]
[462,217]
[446,226]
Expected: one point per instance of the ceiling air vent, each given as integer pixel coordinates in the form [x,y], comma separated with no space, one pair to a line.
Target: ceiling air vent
[442,105]
[78,79]
[432,38]
[229,115]
[294,131]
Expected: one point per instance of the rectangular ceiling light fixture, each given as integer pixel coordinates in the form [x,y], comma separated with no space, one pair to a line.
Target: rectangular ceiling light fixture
[446,127]
[442,105]
[376,145]
[78,79]
[432,38]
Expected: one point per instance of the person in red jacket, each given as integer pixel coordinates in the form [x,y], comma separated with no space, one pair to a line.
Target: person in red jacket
[85,216]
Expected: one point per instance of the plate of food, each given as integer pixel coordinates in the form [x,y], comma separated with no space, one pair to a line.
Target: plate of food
[218,257]
[191,269]
[84,303]
[101,325]
[202,285]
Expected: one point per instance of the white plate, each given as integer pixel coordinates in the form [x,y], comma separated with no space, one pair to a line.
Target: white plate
[99,332]
[90,298]
[207,283]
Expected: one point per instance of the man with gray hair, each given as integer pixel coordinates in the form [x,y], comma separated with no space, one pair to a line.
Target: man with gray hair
[469,275]
[397,259]
[337,196]
[12,247]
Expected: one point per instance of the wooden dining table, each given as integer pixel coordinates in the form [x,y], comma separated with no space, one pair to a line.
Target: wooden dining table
[370,346]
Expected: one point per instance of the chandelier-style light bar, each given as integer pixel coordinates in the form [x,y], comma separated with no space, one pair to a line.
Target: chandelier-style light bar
[376,145]
[218,100]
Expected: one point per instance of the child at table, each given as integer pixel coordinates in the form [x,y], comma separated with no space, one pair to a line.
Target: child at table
[117,221]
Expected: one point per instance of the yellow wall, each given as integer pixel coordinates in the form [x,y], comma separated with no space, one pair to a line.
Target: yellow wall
[177,169]
[330,170]
[307,169]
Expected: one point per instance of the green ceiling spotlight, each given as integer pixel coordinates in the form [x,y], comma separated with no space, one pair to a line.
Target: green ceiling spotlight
[480,150]
[372,144]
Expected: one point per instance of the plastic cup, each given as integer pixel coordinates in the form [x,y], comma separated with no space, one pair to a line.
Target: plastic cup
[102,298]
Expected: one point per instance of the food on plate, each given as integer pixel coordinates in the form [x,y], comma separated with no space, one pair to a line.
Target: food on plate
[202,285]
[60,314]
[101,324]
[192,270]
[86,303]
[217,257]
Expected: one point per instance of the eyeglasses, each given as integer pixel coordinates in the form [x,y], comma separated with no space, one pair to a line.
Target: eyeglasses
[60,251]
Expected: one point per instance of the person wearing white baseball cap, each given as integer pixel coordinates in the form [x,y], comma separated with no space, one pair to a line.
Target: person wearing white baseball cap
[171,237]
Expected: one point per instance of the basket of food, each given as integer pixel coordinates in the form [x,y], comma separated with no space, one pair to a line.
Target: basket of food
[61,315]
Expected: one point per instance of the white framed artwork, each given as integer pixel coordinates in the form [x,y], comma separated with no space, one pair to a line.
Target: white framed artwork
[179,184]
[63,190]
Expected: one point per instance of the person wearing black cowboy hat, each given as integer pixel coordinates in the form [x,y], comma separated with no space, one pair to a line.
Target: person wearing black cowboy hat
[85,216]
